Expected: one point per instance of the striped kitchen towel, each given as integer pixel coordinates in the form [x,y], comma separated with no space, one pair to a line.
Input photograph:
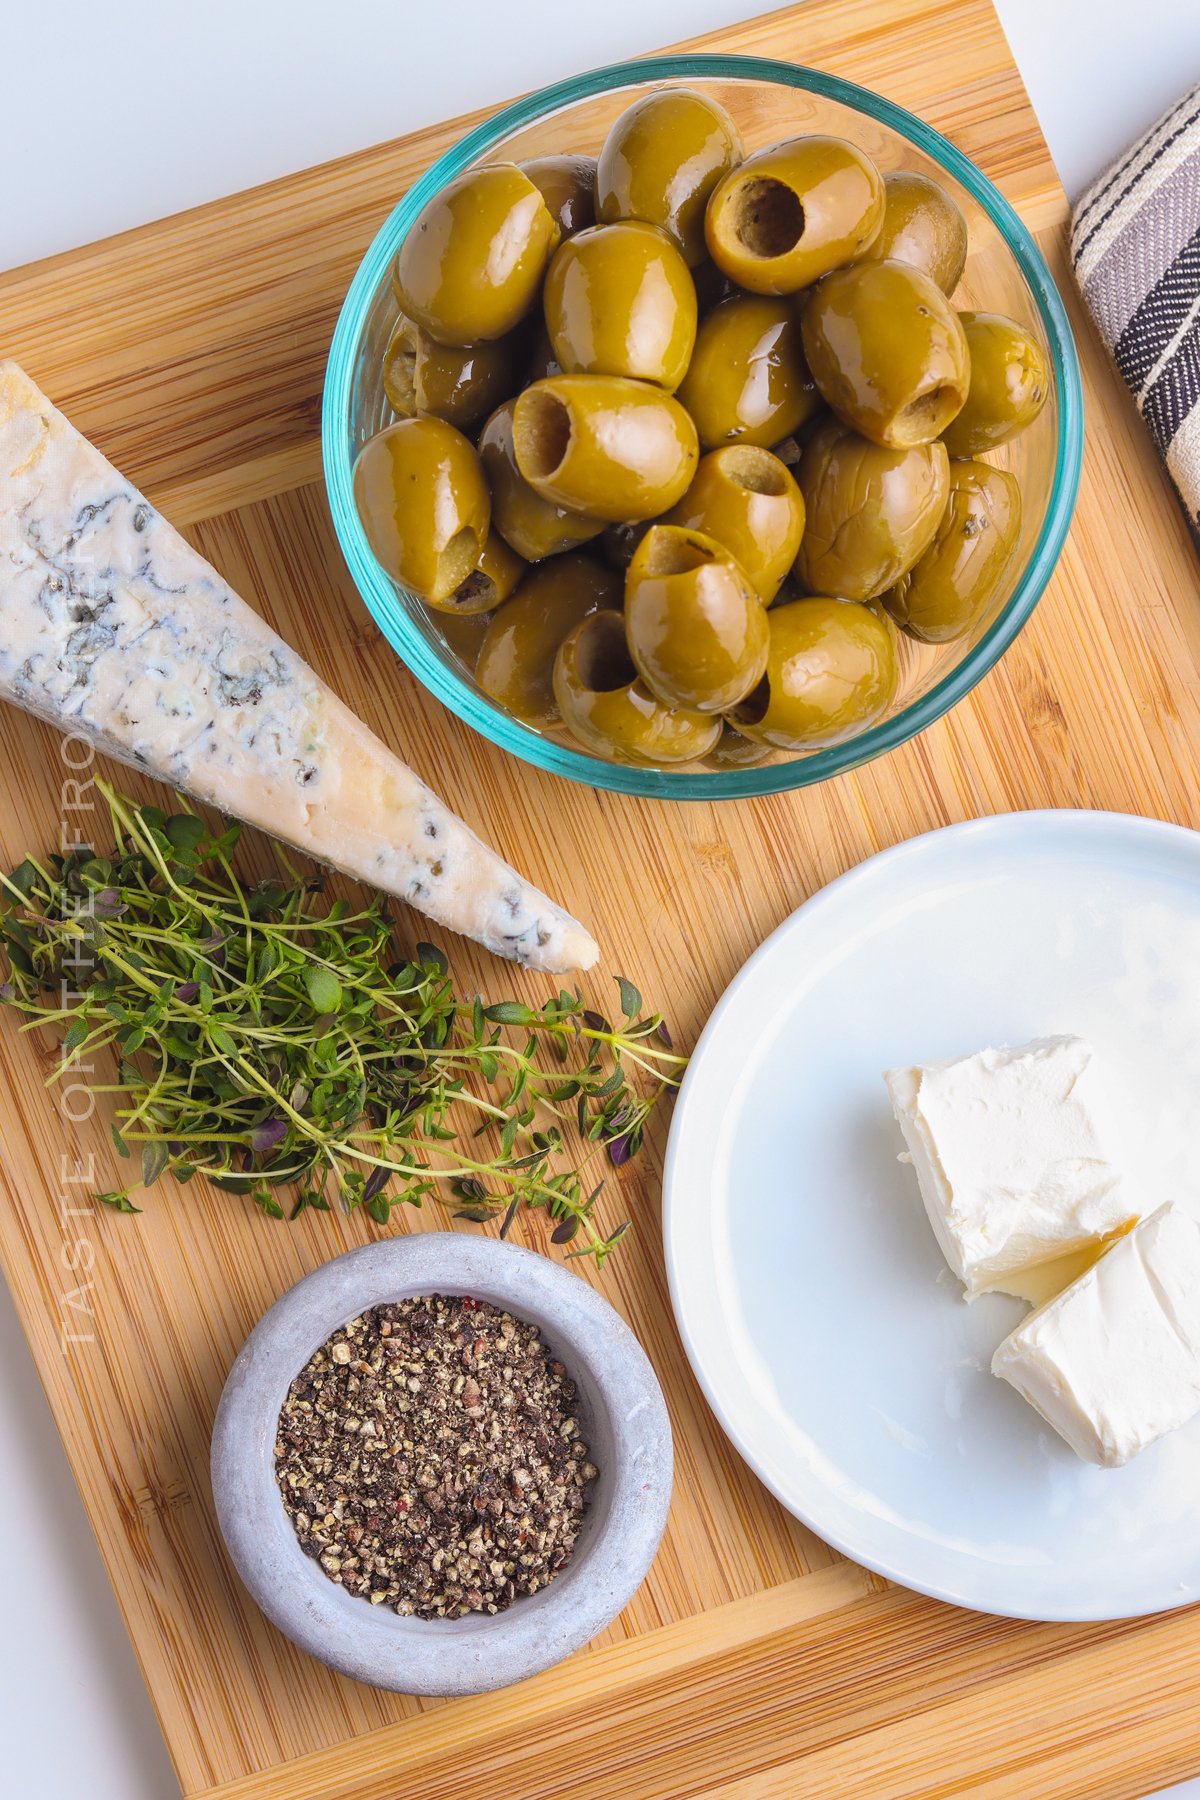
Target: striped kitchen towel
[1135,244]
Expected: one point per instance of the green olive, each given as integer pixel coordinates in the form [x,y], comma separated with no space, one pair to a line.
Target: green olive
[603,445]
[532,526]
[662,160]
[951,588]
[1009,384]
[831,671]
[423,501]
[612,712]
[887,351]
[472,264]
[923,226]
[733,751]
[791,213]
[460,384]
[492,580]
[516,661]
[463,634]
[697,631]
[568,186]
[870,512]
[746,499]
[748,382]
[619,300]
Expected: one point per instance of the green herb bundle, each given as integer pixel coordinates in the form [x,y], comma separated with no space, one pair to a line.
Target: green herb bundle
[268,1040]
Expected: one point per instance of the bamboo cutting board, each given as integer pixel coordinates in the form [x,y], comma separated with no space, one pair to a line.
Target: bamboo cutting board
[755,1664]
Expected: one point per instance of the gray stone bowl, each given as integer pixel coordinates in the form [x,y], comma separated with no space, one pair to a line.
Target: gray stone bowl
[622,1416]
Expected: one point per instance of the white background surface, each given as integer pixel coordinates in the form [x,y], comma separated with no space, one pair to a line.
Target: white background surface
[167,106]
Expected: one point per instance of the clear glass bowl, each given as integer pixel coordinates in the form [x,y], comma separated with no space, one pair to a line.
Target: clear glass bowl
[769,100]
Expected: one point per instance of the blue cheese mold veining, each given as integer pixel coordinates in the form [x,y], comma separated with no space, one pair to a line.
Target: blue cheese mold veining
[112,626]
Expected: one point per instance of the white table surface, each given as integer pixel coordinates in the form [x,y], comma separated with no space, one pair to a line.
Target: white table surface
[167,107]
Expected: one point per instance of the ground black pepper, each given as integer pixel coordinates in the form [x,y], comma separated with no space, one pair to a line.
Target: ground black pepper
[428,1457]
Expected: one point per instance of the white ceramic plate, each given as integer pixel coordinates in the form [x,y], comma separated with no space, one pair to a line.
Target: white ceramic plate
[824,1327]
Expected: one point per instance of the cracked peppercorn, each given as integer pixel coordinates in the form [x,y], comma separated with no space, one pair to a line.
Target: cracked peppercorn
[429,1458]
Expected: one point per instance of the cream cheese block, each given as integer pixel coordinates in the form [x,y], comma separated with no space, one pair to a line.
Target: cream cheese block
[1009,1151]
[113,627]
[1113,1362]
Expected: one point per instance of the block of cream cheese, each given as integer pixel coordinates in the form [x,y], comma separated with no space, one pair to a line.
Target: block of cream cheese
[1009,1151]
[1113,1362]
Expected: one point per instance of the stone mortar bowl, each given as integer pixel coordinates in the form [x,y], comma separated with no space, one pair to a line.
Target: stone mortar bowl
[622,1415]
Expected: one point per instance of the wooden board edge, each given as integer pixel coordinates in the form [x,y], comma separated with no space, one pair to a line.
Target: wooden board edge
[580,1682]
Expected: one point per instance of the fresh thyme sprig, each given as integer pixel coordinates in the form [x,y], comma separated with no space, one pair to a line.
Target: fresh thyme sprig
[268,1040]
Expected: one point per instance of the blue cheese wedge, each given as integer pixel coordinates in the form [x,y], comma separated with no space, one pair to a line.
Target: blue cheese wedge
[1010,1151]
[113,627]
[1113,1362]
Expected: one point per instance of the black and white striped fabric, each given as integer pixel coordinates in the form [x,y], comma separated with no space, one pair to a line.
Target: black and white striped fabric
[1135,244]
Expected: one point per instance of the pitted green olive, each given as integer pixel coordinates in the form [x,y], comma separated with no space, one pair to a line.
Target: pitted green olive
[1009,384]
[662,160]
[568,186]
[424,505]
[619,300]
[748,382]
[534,527]
[460,384]
[791,213]
[607,706]
[831,671]
[472,264]
[515,665]
[923,226]
[696,629]
[887,351]
[746,499]
[869,512]
[605,446]
[951,588]
[492,580]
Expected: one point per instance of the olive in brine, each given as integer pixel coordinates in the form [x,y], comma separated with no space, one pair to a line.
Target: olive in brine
[515,665]
[605,446]
[492,580]
[661,161]
[458,383]
[472,264]
[956,581]
[697,631]
[568,186]
[745,498]
[869,512]
[423,501]
[534,527]
[1009,384]
[619,300]
[609,708]
[748,382]
[887,351]
[831,671]
[923,226]
[791,213]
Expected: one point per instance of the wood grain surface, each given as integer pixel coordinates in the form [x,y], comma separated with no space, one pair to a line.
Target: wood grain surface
[754,1664]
